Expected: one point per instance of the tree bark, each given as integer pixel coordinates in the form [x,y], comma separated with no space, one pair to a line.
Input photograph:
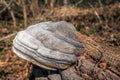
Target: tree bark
[35,7]
[92,64]
[24,12]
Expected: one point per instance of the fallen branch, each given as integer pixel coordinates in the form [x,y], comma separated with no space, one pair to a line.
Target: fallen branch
[6,37]
[79,2]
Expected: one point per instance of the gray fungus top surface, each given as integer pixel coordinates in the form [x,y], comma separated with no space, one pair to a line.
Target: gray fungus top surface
[50,45]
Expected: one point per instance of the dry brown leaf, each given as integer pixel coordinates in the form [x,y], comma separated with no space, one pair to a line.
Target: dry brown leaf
[2,63]
[103,65]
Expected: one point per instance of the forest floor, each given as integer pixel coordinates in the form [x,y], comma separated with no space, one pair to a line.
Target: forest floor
[101,24]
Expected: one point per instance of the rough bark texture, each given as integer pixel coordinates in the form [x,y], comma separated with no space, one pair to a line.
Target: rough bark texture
[94,63]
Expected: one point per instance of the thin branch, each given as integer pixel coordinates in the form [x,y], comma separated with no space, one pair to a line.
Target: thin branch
[11,12]
[8,36]
[100,4]
[96,13]
[24,13]
[5,7]
[79,2]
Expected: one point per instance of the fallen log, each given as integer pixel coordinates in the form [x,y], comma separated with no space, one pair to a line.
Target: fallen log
[94,63]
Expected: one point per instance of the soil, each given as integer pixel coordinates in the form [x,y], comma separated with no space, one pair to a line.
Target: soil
[101,24]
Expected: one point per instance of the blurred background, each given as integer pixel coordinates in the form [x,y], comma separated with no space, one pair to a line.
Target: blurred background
[98,19]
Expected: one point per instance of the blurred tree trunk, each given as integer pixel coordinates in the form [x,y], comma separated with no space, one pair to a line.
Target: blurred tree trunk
[34,7]
[46,2]
[65,2]
[50,3]
[24,12]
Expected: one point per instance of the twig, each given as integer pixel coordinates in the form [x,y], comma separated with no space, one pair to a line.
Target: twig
[100,4]
[8,36]
[79,2]
[96,13]
[11,12]
[5,7]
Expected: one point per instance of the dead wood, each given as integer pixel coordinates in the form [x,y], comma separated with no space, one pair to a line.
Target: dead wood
[94,63]
[8,36]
